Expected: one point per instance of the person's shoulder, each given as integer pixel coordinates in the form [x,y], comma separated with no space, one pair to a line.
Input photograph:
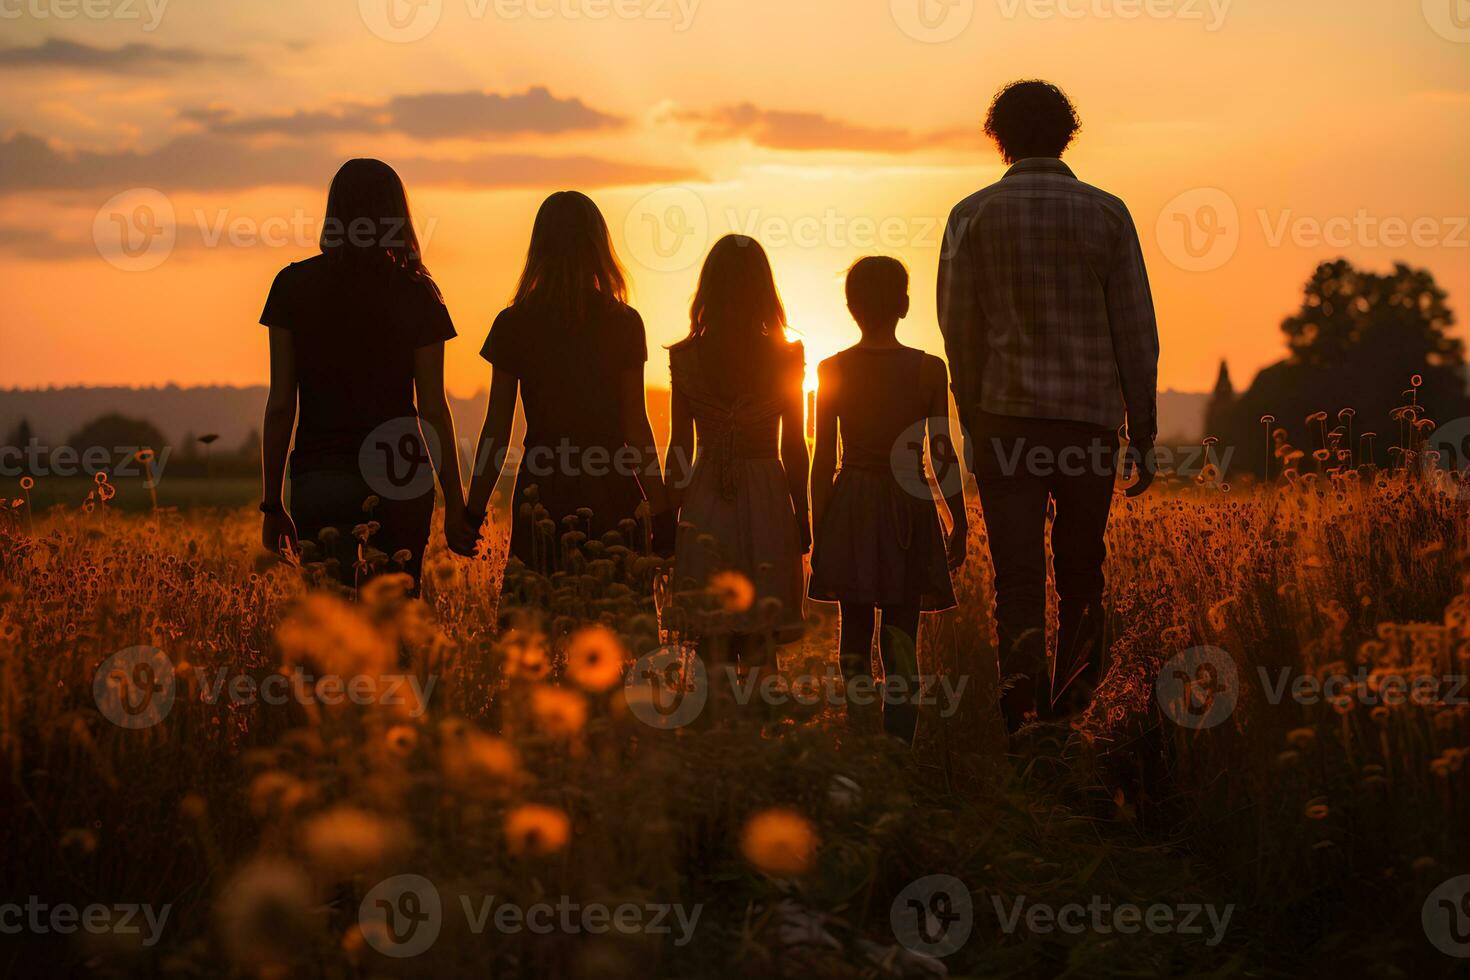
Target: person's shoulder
[1104,199]
[932,367]
[302,269]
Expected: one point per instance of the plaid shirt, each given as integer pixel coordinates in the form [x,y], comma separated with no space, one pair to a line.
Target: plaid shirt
[1044,303]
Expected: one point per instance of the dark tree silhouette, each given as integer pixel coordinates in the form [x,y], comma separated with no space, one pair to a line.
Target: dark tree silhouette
[118,433]
[1356,343]
[20,436]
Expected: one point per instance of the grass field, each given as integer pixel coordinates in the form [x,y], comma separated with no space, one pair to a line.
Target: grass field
[1315,829]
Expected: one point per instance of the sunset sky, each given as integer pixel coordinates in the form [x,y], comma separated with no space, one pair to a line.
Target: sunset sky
[1275,134]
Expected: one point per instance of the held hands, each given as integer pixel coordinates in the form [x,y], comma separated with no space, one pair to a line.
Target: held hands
[462,531]
[278,533]
[1138,459]
[959,539]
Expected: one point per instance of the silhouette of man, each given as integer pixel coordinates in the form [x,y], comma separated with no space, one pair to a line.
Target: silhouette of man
[1049,325]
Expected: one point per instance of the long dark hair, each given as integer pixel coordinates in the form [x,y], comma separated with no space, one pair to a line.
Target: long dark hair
[738,311]
[368,222]
[570,258]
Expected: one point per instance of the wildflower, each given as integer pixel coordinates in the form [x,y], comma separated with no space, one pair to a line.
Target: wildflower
[536,830]
[779,842]
[734,591]
[276,793]
[1302,738]
[263,915]
[1316,810]
[402,740]
[595,658]
[481,763]
[336,639]
[347,840]
[559,712]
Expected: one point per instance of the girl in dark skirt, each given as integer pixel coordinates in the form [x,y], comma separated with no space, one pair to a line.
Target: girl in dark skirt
[879,546]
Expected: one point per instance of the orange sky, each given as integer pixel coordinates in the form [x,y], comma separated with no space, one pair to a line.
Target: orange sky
[1277,134]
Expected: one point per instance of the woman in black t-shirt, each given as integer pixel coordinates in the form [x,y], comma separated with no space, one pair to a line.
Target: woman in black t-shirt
[573,350]
[357,341]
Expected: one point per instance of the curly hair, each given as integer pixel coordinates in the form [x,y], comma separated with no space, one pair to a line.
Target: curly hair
[1031,118]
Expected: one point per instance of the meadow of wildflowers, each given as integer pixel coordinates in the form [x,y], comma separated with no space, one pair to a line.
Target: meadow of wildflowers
[483,752]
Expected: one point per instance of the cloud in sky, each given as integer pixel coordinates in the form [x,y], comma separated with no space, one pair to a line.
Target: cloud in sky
[427,116]
[134,58]
[208,162]
[783,130]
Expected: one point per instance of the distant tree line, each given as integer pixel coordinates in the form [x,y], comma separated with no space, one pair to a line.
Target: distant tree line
[1371,371]
[114,441]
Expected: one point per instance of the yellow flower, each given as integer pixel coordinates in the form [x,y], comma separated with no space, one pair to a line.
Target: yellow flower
[559,712]
[537,830]
[595,658]
[480,763]
[402,740]
[779,842]
[734,591]
[346,840]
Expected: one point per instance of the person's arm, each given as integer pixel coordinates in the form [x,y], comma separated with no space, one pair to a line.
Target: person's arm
[679,459]
[961,319]
[794,455]
[491,451]
[946,457]
[1135,333]
[433,408]
[824,456]
[638,435]
[278,531]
